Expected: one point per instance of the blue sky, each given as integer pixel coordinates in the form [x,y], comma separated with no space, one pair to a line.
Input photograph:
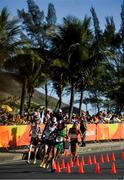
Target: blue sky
[78,8]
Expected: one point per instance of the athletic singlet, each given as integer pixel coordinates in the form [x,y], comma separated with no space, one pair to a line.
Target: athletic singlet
[48,131]
[35,132]
[60,136]
[73,134]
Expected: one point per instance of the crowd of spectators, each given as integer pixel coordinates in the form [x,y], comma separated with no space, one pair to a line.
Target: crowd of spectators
[39,114]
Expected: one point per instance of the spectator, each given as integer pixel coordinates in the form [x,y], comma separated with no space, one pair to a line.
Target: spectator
[83,129]
[46,117]
[37,115]
[74,119]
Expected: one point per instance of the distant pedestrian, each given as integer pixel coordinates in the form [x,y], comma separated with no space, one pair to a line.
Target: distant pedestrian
[83,128]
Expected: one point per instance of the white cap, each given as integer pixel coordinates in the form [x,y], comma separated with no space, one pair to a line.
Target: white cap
[54,120]
[59,110]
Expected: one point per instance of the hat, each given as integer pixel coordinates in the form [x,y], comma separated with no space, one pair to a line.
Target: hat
[54,120]
[59,111]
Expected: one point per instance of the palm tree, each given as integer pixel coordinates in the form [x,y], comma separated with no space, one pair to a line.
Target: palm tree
[70,46]
[86,101]
[29,67]
[115,43]
[79,50]
[9,35]
[35,78]
[39,30]
[59,80]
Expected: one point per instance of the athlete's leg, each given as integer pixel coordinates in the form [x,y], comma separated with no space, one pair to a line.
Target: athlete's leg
[45,156]
[52,161]
[29,153]
[35,153]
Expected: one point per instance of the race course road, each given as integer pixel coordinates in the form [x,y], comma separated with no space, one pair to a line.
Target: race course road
[21,170]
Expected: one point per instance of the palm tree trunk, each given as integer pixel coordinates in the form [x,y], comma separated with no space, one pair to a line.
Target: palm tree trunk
[23,97]
[80,103]
[29,101]
[60,97]
[60,102]
[98,108]
[56,105]
[46,96]
[71,100]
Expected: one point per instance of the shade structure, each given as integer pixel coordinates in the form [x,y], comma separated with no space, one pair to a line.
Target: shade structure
[6,108]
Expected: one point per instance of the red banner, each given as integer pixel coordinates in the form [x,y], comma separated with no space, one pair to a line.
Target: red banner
[91,132]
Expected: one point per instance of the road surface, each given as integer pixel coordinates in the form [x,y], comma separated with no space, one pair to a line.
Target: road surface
[22,170]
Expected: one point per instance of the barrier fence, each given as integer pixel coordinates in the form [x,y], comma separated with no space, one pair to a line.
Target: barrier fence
[18,135]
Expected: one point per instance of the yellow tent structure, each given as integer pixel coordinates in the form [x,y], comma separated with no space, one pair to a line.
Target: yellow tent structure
[7,108]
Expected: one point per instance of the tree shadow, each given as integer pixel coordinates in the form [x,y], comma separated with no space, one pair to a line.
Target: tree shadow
[13,142]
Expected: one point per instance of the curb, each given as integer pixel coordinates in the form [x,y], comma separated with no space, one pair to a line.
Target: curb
[6,157]
[98,147]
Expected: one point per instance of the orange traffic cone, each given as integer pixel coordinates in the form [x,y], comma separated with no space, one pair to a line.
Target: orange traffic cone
[113,157]
[113,169]
[81,170]
[89,160]
[82,160]
[63,164]
[101,158]
[107,158]
[97,169]
[68,168]
[77,161]
[94,159]
[123,155]
[58,170]
[71,163]
[53,164]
